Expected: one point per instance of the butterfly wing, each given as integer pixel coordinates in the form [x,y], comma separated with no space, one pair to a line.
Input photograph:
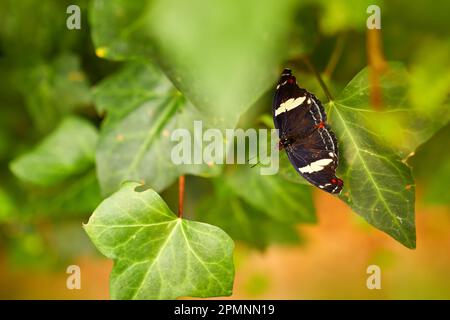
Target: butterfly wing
[318,167]
[309,141]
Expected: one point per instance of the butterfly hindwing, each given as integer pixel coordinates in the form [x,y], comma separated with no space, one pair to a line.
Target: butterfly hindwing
[317,166]
[305,135]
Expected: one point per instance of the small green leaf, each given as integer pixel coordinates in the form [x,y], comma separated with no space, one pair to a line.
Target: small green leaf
[67,151]
[143,109]
[157,255]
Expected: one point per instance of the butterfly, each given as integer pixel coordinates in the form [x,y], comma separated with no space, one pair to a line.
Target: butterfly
[304,133]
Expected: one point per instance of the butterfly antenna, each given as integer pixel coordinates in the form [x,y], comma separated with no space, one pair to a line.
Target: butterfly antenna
[257,163]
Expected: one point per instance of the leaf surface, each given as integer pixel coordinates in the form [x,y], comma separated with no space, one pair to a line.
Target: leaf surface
[157,255]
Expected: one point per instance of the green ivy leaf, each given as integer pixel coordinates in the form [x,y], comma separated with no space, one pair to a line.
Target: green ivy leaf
[67,151]
[279,199]
[378,185]
[143,109]
[157,255]
[221,54]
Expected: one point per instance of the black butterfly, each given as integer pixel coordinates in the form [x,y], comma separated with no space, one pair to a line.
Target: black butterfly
[304,133]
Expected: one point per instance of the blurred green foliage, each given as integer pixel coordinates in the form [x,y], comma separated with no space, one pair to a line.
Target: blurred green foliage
[142,110]
[81,111]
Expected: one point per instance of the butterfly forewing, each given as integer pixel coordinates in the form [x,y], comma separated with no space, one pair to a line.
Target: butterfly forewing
[310,143]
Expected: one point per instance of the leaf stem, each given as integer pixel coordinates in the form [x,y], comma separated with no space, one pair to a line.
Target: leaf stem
[319,78]
[180,196]
[336,54]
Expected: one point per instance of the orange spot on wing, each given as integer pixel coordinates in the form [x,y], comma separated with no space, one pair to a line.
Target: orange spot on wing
[321,125]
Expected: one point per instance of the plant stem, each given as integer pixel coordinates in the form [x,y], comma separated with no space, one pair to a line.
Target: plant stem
[319,78]
[180,196]
[335,56]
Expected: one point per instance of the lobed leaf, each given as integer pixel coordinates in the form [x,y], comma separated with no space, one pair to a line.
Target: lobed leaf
[378,183]
[157,255]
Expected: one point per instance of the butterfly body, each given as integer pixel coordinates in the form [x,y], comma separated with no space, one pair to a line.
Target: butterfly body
[305,135]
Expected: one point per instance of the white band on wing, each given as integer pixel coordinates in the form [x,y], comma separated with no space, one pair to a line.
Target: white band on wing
[315,166]
[289,105]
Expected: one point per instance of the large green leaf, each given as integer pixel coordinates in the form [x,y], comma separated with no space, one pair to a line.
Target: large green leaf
[67,151]
[221,54]
[374,144]
[157,255]
[143,109]
[378,185]
[279,199]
